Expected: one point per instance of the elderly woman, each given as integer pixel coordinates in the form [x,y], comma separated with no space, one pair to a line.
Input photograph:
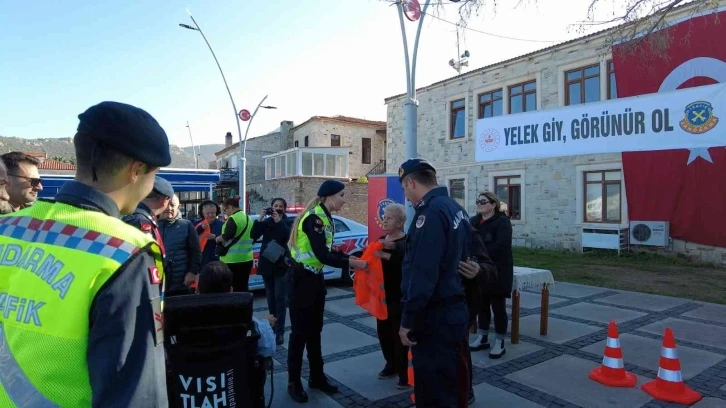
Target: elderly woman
[394,245]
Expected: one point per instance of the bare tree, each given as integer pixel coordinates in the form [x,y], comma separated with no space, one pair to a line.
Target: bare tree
[639,24]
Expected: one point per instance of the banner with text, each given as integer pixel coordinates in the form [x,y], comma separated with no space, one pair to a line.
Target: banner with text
[683,119]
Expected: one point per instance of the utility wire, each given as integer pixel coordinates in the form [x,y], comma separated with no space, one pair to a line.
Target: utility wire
[479,31]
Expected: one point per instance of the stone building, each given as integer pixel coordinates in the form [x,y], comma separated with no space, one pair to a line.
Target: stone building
[292,162]
[545,197]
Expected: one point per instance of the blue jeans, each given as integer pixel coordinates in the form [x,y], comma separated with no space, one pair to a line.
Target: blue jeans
[276,292]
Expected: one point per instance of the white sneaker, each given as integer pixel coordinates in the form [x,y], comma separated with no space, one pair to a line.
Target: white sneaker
[498,350]
[476,341]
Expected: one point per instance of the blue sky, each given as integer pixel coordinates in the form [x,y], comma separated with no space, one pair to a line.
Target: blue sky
[324,57]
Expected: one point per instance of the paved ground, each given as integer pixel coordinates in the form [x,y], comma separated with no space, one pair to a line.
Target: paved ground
[549,371]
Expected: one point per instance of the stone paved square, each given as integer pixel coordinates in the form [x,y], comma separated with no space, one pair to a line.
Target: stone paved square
[360,374]
[699,333]
[645,301]
[344,307]
[559,331]
[282,400]
[334,292]
[709,403]
[573,290]
[337,337]
[493,397]
[566,377]
[645,353]
[514,351]
[710,312]
[529,300]
[597,313]
[369,321]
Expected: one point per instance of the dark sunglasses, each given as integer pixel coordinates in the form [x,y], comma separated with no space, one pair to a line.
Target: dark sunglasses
[482,202]
[34,182]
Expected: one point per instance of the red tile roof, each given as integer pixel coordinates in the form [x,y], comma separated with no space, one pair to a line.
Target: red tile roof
[50,164]
[346,119]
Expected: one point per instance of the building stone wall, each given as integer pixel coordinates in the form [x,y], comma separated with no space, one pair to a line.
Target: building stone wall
[299,190]
[552,196]
[351,136]
[257,147]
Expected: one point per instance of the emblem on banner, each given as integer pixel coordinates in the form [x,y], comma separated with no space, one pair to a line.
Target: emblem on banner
[382,204]
[699,118]
[489,140]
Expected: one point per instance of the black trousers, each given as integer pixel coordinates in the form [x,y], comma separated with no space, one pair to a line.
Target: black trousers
[241,276]
[394,352]
[307,304]
[276,293]
[498,306]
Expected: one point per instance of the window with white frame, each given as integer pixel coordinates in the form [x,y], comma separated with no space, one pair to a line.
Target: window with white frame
[509,186]
[319,164]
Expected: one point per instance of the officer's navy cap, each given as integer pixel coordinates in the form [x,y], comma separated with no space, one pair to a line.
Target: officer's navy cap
[163,187]
[412,166]
[330,187]
[128,130]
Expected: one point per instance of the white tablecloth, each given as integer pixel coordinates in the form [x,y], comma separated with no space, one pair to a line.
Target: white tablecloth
[532,279]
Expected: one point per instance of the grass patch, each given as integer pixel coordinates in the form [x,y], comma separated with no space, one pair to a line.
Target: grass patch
[639,272]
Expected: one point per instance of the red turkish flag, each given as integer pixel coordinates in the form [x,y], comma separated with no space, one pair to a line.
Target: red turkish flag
[685,187]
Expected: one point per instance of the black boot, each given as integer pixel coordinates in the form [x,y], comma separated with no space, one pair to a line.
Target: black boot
[297,392]
[321,383]
[279,339]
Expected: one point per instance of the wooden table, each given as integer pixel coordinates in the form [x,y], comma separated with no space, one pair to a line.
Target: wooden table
[529,278]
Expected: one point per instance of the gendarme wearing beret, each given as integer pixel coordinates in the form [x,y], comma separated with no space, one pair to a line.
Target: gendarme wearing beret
[163,187]
[412,166]
[128,130]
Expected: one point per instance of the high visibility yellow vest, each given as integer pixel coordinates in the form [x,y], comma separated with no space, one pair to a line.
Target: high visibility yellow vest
[241,251]
[54,258]
[302,251]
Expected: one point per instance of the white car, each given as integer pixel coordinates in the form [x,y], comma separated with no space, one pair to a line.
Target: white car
[350,237]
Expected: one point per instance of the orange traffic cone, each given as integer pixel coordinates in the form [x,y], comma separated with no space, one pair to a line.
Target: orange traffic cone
[669,386]
[612,372]
[410,375]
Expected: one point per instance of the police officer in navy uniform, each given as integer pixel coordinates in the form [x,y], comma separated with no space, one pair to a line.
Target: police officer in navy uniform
[311,242]
[435,315]
[119,148]
[147,212]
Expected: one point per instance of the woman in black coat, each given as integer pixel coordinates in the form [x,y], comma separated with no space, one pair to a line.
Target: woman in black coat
[495,230]
[272,224]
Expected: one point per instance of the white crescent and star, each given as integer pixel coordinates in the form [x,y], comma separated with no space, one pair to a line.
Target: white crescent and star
[696,67]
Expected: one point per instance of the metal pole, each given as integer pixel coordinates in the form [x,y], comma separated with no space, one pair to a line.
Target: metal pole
[411,105]
[234,107]
[243,159]
[194,151]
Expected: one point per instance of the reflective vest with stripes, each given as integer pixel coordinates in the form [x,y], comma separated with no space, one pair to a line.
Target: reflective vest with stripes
[54,259]
[302,251]
[241,251]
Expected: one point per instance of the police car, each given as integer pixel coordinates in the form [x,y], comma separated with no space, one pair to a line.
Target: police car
[350,237]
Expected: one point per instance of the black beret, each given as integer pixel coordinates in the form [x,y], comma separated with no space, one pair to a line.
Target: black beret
[412,166]
[128,130]
[163,187]
[330,187]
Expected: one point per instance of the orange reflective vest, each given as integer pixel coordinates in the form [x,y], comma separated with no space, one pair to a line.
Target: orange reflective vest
[370,293]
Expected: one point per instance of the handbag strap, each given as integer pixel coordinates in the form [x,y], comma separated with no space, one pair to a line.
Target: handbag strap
[238,237]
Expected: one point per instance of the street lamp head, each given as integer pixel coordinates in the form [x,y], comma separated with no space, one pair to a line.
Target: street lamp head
[188,27]
[268,107]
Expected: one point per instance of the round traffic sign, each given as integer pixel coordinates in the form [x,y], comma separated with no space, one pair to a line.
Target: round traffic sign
[245,115]
[412,9]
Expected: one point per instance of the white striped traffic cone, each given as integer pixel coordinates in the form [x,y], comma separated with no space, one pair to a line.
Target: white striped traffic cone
[669,386]
[612,372]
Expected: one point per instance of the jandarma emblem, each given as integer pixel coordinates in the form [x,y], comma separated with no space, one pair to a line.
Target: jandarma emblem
[382,204]
[698,118]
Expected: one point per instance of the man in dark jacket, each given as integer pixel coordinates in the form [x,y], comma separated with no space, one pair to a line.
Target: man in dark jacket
[183,255]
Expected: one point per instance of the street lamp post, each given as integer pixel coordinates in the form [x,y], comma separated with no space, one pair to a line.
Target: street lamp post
[194,150]
[243,154]
[234,107]
[411,105]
